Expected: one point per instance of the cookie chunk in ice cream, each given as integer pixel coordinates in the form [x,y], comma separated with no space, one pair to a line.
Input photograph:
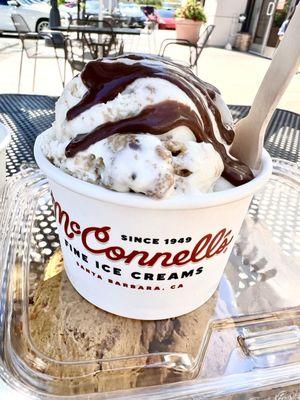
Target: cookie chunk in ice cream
[144,124]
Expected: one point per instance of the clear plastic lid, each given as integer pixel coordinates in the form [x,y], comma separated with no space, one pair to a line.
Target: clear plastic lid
[247,336]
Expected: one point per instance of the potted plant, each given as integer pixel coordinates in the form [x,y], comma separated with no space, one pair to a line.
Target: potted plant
[189,19]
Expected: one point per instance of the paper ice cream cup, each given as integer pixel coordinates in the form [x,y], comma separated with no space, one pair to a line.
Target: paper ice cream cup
[144,258]
[4,142]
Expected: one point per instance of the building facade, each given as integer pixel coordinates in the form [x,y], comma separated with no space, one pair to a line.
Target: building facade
[260,18]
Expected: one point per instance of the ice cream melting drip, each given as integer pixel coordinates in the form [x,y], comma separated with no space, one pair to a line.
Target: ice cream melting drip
[105,80]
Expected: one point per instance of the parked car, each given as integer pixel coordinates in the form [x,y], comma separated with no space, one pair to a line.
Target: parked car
[34,12]
[91,12]
[131,13]
[166,18]
[91,8]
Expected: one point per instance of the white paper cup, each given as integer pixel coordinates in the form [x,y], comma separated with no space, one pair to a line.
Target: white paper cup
[143,258]
[4,142]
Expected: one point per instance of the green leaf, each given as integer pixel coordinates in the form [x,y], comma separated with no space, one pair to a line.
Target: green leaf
[193,9]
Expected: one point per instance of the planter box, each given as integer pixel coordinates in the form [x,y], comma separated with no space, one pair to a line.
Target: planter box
[188,29]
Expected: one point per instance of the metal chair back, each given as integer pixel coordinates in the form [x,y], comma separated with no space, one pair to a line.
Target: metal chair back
[202,42]
[108,39]
[104,23]
[29,41]
[203,38]
[74,54]
[195,49]
[20,24]
[100,44]
[28,38]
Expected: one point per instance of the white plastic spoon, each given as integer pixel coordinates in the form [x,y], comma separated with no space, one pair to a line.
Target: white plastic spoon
[250,131]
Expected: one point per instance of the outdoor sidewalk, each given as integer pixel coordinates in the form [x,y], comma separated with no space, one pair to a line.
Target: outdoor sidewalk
[237,75]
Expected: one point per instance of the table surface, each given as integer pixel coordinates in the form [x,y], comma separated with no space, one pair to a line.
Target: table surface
[95,29]
[29,115]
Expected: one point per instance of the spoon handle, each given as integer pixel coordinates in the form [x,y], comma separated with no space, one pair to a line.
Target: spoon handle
[250,131]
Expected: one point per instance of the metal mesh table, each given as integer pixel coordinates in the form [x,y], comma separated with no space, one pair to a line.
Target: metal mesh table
[29,115]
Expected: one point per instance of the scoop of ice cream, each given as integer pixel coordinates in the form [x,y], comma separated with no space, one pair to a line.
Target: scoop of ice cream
[196,167]
[130,102]
[138,163]
[180,125]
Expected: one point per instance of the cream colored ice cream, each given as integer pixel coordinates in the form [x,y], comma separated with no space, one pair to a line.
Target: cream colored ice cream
[168,162]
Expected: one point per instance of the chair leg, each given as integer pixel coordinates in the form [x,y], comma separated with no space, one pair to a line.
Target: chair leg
[62,78]
[161,51]
[165,48]
[65,68]
[121,48]
[34,68]
[191,57]
[20,69]
[34,72]
[162,47]
[196,66]
[197,56]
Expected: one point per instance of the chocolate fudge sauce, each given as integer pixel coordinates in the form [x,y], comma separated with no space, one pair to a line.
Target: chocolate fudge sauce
[105,80]
[152,119]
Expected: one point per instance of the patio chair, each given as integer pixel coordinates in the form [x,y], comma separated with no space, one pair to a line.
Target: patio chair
[29,41]
[114,45]
[198,47]
[111,45]
[98,46]
[75,54]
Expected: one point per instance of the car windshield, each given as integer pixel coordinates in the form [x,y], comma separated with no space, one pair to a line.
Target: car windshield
[29,2]
[129,6]
[171,6]
[166,13]
[92,5]
[130,9]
